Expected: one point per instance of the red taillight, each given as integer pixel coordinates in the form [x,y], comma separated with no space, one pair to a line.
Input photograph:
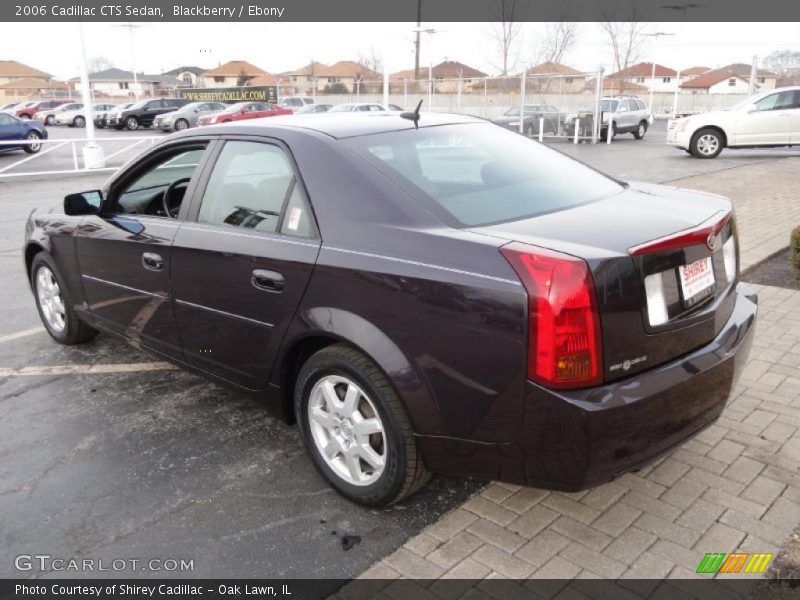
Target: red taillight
[564,348]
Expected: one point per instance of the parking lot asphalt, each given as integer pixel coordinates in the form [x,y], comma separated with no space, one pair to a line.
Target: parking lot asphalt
[114,455]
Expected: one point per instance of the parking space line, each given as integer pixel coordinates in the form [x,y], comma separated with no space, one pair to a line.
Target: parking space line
[85,369]
[21,334]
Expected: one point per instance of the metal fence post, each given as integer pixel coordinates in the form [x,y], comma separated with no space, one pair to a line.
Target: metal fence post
[598,98]
[541,129]
[609,128]
[522,101]
[577,127]
[75,156]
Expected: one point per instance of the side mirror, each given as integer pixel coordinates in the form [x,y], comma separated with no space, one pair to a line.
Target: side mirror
[83,203]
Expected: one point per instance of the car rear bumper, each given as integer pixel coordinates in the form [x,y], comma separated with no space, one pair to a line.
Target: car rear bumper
[572,440]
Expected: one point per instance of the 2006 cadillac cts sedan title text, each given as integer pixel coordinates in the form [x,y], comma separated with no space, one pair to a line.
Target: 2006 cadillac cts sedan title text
[453,298]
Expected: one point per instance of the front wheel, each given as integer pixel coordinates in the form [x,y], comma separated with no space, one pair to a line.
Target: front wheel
[641,131]
[35,138]
[181,124]
[356,429]
[706,143]
[132,123]
[50,120]
[55,305]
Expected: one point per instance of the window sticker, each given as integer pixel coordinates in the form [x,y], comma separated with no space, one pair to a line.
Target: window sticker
[294,218]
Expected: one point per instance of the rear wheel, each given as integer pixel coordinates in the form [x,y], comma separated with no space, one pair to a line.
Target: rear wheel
[706,143]
[356,429]
[528,129]
[49,120]
[79,121]
[55,305]
[641,130]
[36,145]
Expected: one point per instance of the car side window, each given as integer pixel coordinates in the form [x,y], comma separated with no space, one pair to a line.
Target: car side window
[159,190]
[248,187]
[779,101]
[297,216]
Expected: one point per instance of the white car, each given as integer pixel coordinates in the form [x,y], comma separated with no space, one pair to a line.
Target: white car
[77,116]
[365,107]
[768,119]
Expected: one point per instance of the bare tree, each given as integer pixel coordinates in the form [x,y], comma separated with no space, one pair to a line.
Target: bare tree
[506,34]
[371,59]
[243,78]
[625,37]
[785,63]
[98,63]
[550,48]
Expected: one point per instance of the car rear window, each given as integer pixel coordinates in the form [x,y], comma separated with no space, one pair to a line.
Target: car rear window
[479,174]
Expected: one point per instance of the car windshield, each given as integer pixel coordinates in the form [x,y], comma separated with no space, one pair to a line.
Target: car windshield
[342,108]
[138,105]
[605,106]
[478,174]
[192,106]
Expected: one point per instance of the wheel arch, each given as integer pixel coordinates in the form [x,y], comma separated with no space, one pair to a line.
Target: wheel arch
[31,250]
[325,326]
[715,128]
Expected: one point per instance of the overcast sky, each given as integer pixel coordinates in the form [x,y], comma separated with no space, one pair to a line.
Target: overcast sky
[278,47]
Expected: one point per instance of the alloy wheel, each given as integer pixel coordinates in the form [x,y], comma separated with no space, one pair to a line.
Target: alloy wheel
[347,430]
[33,136]
[707,144]
[49,295]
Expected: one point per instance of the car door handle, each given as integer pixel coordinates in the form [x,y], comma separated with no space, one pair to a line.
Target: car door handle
[268,281]
[152,261]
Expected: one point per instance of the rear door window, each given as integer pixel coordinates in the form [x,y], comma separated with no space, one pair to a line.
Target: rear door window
[253,186]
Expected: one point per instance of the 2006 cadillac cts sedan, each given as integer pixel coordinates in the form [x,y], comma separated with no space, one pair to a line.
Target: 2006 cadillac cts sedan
[420,293]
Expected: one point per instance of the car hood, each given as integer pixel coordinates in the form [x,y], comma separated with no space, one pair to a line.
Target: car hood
[505,120]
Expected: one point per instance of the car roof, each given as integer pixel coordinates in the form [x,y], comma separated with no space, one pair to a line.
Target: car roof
[339,125]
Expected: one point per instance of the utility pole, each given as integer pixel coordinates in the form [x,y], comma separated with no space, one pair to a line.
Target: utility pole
[419,32]
[130,27]
[753,71]
[93,157]
[655,36]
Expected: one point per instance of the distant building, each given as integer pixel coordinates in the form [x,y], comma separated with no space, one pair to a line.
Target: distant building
[665,80]
[731,79]
[189,76]
[30,88]
[231,74]
[553,77]
[345,74]
[118,83]
[693,72]
[12,69]
[446,76]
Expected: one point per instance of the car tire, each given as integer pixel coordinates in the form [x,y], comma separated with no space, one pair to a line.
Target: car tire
[55,305]
[79,122]
[24,116]
[641,130]
[706,143]
[33,148]
[49,120]
[99,125]
[323,384]
[132,123]
[119,127]
[181,124]
[527,129]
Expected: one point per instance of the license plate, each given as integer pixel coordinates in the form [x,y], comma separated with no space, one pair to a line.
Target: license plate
[697,281]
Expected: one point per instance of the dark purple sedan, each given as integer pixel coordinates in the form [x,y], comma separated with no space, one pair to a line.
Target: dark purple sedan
[448,298]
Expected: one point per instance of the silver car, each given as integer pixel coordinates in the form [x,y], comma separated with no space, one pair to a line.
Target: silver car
[186,116]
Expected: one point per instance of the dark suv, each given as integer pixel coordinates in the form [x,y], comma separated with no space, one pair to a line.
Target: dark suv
[142,113]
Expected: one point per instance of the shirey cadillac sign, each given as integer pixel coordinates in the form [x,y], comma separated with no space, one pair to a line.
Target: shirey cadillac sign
[260,93]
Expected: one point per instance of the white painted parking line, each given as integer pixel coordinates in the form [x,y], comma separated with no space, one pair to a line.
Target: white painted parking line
[85,369]
[19,334]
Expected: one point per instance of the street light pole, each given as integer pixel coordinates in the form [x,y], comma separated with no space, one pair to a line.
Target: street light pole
[430,33]
[655,36]
[93,157]
[130,27]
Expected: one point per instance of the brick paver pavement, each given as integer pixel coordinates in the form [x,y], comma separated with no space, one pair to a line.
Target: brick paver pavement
[735,486]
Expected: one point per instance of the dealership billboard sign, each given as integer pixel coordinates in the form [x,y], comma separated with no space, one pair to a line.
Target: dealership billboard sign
[256,93]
